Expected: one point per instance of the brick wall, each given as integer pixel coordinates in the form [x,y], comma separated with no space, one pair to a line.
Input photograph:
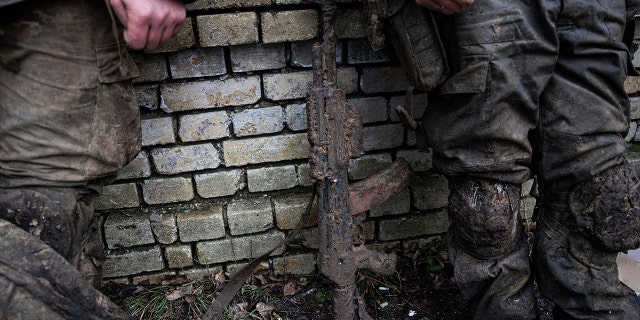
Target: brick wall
[223,175]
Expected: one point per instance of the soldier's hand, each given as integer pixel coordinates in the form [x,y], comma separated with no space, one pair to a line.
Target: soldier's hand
[445,6]
[149,23]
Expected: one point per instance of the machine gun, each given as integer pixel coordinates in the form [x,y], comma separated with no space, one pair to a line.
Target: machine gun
[335,136]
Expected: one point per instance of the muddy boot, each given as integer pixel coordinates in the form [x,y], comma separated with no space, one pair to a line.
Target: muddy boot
[578,236]
[37,283]
[489,251]
[63,218]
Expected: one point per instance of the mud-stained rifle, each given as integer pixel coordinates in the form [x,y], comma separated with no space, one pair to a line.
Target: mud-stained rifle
[335,136]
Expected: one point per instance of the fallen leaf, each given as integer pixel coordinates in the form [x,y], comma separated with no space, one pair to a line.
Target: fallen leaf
[180,292]
[175,281]
[220,277]
[289,289]
[264,309]
[189,298]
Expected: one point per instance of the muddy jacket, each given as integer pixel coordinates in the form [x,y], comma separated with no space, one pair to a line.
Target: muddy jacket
[67,108]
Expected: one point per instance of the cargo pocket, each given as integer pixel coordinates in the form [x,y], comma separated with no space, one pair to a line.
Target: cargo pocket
[115,137]
[471,78]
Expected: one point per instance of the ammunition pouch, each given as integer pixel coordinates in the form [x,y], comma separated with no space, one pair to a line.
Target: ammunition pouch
[607,208]
[413,33]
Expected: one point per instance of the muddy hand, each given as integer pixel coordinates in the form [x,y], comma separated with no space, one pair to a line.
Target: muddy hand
[149,23]
[445,6]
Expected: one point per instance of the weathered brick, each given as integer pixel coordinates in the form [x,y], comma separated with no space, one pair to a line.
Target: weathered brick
[418,159]
[400,203]
[383,136]
[298,264]
[249,216]
[183,40]
[216,251]
[633,156]
[167,190]
[632,85]
[290,208]
[634,106]
[371,109]
[265,149]
[251,122]
[139,167]
[153,278]
[179,256]
[201,222]
[133,261]
[528,188]
[117,196]
[369,230]
[351,23]
[277,25]
[367,165]
[304,175]
[271,178]
[201,273]
[302,54]
[527,205]
[633,128]
[210,94]
[204,126]
[164,227]
[430,191]
[185,158]
[307,238]
[296,116]
[157,131]
[257,57]
[147,96]
[238,248]
[285,86]
[234,268]
[281,2]
[228,29]
[152,67]
[219,183]
[385,79]
[194,63]
[359,52]
[226,4]
[413,226]
[122,231]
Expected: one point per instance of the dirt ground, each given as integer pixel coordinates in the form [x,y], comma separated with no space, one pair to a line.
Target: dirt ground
[421,288]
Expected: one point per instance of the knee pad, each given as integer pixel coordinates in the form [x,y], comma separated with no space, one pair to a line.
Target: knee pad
[485,217]
[606,208]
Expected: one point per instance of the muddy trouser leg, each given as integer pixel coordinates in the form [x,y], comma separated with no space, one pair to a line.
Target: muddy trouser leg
[583,121]
[38,283]
[579,234]
[63,218]
[581,279]
[489,251]
[479,128]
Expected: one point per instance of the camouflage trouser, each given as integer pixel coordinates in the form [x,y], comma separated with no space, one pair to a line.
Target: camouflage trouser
[537,88]
[64,219]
